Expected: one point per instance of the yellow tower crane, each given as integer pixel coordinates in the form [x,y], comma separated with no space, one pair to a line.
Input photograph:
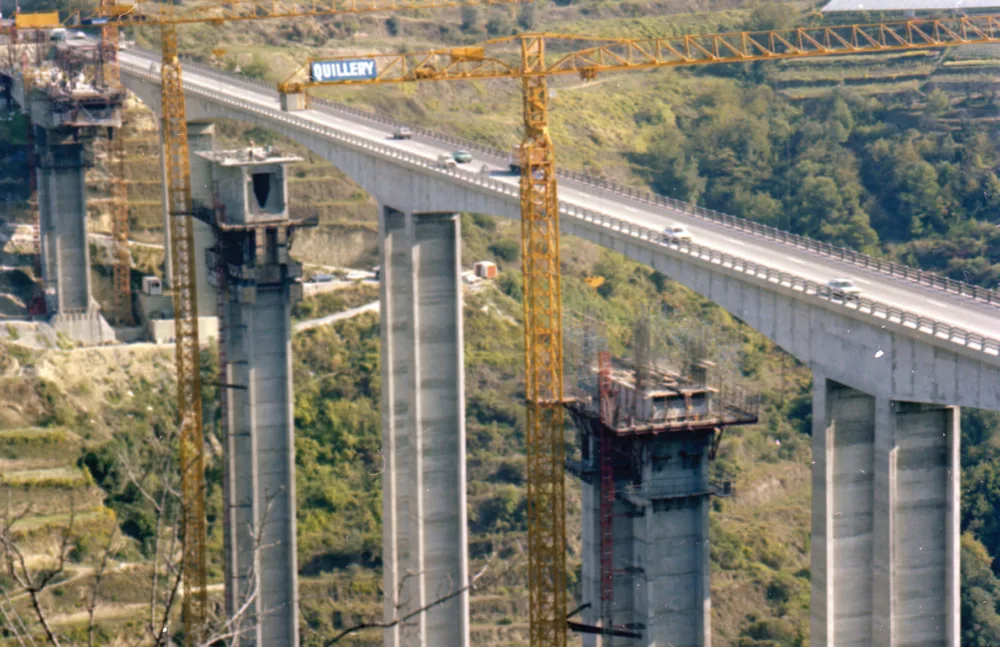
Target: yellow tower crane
[532,58]
[112,15]
[110,76]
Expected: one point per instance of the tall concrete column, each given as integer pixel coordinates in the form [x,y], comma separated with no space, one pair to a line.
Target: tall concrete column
[168,261]
[590,568]
[201,139]
[916,552]
[661,555]
[843,481]
[46,234]
[261,467]
[425,533]
[670,541]
[252,263]
[62,208]
[885,520]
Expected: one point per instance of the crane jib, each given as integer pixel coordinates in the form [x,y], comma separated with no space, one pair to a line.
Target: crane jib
[346,70]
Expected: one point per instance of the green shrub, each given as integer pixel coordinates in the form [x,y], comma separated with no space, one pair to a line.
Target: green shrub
[770,632]
[484,221]
[506,249]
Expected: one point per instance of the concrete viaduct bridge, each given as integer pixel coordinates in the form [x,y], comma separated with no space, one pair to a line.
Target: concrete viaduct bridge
[890,372]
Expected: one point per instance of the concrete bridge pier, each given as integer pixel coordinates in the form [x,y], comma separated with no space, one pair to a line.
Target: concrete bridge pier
[885,548]
[62,206]
[260,468]
[259,281]
[425,538]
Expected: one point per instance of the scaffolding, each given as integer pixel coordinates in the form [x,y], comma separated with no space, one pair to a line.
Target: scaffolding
[621,406]
[19,50]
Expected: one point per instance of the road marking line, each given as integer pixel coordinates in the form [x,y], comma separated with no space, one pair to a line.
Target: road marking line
[936,303]
[862,281]
[797,260]
[735,242]
[627,208]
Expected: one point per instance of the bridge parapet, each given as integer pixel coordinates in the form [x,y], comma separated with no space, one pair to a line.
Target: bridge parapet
[898,270]
[881,313]
[881,265]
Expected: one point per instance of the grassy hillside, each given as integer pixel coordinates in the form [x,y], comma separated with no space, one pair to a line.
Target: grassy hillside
[338,441]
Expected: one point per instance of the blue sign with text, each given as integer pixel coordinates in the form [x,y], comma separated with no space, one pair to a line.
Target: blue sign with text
[346,70]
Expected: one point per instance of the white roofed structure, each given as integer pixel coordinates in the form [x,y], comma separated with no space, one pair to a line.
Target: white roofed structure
[908,5]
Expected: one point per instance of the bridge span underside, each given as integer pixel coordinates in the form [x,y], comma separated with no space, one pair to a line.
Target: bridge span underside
[887,383]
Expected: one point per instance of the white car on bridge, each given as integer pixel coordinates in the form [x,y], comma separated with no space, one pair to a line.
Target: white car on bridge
[843,289]
[676,234]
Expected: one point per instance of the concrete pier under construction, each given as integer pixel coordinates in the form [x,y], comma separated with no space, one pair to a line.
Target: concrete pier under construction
[66,120]
[646,444]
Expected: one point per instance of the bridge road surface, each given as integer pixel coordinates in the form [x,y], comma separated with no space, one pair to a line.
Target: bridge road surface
[961,312]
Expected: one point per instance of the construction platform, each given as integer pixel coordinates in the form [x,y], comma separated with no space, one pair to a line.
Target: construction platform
[647,437]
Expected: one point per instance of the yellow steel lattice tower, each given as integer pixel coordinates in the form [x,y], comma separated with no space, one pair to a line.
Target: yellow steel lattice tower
[120,229]
[110,73]
[187,352]
[542,359]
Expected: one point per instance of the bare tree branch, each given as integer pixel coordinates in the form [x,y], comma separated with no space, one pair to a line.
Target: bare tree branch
[233,626]
[161,508]
[471,586]
[178,574]
[12,625]
[94,600]
[17,566]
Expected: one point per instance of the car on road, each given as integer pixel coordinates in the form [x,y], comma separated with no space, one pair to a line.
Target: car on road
[446,160]
[676,234]
[322,278]
[843,289]
[402,132]
[462,157]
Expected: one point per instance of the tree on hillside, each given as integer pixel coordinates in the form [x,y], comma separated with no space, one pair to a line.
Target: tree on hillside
[526,17]
[392,25]
[470,19]
[165,576]
[499,23]
[673,170]
[980,596]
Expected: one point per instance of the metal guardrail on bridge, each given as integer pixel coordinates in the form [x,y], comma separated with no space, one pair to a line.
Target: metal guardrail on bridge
[891,268]
[875,309]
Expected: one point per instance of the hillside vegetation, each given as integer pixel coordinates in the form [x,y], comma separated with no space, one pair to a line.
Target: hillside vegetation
[894,155]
